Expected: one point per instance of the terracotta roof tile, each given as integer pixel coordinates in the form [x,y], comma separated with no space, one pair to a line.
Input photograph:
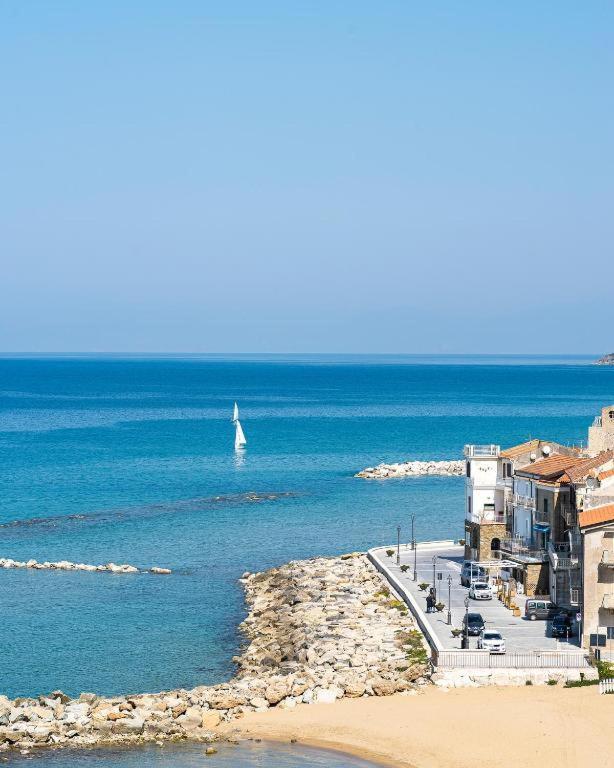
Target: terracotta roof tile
[551,468]
[518,450]
[596,516]
[583,469]
[603,475]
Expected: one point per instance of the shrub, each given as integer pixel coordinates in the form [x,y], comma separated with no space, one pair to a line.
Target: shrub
[404,568]
[552,682]
[528,682]
[423,585]
[390,552]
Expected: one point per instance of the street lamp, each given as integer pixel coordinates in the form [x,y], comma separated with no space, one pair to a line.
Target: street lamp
[465,643]
[415,546]
[449,600]
[434,578]
[398,545]
[413,540]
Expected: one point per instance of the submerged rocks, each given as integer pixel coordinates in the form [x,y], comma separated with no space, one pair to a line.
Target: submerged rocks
[65,565]
[318,630]
[413,469]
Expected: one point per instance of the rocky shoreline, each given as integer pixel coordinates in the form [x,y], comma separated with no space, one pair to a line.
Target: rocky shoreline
[65,565]
[318,630]
[413,469]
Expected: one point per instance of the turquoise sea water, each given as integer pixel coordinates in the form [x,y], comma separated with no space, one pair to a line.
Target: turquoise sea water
[132,460]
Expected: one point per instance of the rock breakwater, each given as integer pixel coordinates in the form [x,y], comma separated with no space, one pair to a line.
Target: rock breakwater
[413,469]
[318,630]
[65,565]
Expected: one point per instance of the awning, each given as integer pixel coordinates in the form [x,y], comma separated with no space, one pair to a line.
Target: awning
[541,527]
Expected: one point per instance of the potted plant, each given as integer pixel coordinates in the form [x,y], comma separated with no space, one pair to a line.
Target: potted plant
[423,585]
[461,542]
[457,632]
[440,606]
[404,568]
[390,552]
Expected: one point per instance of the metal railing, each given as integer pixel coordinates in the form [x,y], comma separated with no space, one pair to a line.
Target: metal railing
[482,450]
[569,514]
[517,660]
[520,547]
[524,501]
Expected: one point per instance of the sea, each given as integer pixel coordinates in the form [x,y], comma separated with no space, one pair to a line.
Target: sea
[132,460]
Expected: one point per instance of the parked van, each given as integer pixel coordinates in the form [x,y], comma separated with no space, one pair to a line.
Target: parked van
[540,609]
[472,572]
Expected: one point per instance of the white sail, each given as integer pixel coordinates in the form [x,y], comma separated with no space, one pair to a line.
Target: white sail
[240,440]
[235,413]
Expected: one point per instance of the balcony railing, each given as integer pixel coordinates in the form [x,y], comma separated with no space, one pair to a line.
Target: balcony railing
[482,450]
[524,501]
[542,517]
[487,517]
[520,547]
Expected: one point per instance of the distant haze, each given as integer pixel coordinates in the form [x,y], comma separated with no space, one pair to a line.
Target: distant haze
[306,176]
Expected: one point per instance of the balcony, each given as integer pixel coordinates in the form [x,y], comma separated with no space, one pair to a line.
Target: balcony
[524,501]
[482,451]
[562,557]
[539,516]
[522,549]
[487,517]
[608,602]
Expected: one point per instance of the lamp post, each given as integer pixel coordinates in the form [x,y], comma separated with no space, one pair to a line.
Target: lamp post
[449,599]
[465,643]
[398,545]
[413,540]
[434,578]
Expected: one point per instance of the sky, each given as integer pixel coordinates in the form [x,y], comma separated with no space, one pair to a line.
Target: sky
[323,176]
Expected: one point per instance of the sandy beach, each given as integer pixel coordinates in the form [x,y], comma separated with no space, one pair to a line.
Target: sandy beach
[464,728]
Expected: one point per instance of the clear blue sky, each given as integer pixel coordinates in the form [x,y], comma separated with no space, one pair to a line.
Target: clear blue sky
[307,176]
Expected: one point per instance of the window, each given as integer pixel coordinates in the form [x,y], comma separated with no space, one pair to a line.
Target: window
[469,505]
[507,470]
[545,506]
[468,469]
[611,414]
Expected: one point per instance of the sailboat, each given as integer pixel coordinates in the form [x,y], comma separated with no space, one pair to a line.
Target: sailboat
[240,441]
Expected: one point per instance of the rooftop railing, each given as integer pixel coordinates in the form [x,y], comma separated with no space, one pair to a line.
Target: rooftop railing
[521,547]
[482,450]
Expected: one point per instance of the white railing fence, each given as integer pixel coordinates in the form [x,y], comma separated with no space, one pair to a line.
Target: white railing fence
[476,659]
[606,686]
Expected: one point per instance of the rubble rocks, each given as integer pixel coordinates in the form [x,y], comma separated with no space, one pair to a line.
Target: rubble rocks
[318,630]
[65,565]
[413,469]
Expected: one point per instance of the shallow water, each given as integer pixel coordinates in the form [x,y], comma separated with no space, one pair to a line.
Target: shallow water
[245,755]
[132,461]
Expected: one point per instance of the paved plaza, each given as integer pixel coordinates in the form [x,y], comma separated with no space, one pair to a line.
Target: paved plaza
[519,633]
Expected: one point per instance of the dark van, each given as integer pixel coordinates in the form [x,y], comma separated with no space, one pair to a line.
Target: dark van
[540,609]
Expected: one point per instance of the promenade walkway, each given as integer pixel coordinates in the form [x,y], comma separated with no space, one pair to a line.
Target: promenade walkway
[520,634]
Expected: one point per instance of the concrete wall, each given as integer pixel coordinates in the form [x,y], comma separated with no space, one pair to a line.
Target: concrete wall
[598,582]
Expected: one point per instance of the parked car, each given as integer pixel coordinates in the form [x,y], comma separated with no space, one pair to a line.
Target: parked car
[491,640]
[562,626]
[480,590]
[472,572]
[540,609]
[474,623]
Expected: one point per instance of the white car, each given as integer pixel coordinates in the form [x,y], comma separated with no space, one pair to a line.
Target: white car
[480,590]
[491,640]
